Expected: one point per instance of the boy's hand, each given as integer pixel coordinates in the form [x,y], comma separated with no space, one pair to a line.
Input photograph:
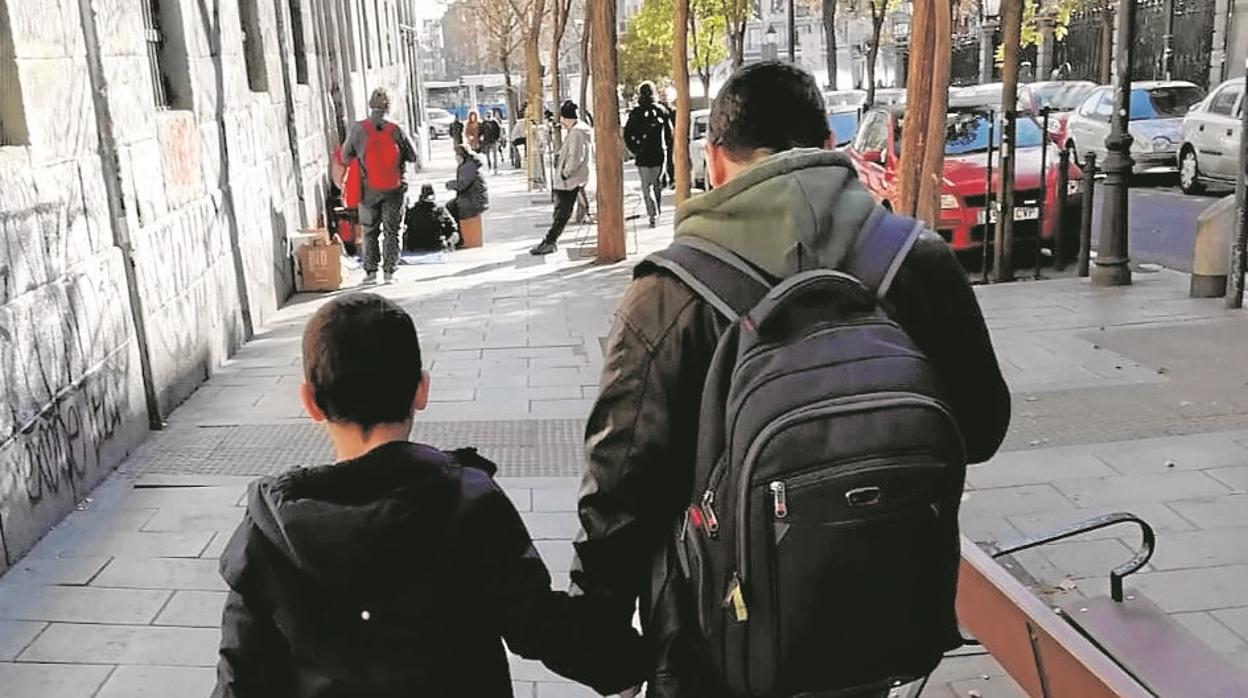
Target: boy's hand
[631,692]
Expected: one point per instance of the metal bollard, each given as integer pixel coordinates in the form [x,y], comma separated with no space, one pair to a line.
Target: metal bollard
[988,206]
[1063,182]
[1085,230]
[1044,188]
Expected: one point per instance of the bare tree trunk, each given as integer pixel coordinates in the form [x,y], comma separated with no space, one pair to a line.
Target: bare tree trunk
[611,243]
[919,89]
[680,73]
[1107,44]
[559,16]
[829,35]
[877,28]
[927,207]
[533,88]
[1011,31]
[585,32]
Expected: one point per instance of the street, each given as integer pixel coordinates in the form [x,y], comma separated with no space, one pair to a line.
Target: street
[1162,222]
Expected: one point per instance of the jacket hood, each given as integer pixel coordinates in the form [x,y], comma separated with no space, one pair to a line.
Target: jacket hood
[796,210]
[362,523]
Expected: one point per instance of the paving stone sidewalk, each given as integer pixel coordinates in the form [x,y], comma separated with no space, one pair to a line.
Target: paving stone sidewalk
[1124,399]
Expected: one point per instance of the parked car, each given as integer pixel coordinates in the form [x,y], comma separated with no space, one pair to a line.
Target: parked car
[836,99]
[1211,132]
[1157,111]
[439,122]
[964,217]
[843,122]
[890,96]
[1062,98]
[698,122]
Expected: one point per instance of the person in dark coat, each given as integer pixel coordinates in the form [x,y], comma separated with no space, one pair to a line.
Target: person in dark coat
[648,135]
[400,569]
[429,226]
[457,131]
[490,134]
[472,198]
[785,202]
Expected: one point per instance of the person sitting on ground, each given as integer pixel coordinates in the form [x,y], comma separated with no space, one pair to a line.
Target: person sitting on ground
[472,198]
[400,569]
[428,226]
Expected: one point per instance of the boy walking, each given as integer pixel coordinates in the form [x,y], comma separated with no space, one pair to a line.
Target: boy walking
[400,569]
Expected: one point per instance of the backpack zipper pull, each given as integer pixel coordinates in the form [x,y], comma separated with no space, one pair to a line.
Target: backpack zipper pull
[779,499]
[708,513]
[735,599]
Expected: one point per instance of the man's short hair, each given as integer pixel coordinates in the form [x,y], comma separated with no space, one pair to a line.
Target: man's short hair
[771,105]
[362,359]
[645,91]
[380,99]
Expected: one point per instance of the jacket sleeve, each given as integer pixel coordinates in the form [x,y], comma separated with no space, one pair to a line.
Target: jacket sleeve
[641,437]
[577,147]
[407,148]
[932,299]
[354,145]
[252,649]
[630,132]
[572,636]
[465,174]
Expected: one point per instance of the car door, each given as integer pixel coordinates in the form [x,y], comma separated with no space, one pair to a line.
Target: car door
[872,140]
[1217,133]
[1079,129]
[1098,126]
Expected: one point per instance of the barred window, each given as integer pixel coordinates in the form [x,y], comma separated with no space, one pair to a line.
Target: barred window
[253,45]
[166,54]
[12,117]
[297,41]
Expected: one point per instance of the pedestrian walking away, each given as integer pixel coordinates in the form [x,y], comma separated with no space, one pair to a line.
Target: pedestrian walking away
[571,174]
[648,135]
[663,521]
[669,176]
[457,131]
[472,132]
[383,149]
[472,197]
[400,569]
[490,135]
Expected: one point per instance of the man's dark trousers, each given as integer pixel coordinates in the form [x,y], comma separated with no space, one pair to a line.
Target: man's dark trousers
[565,201]
[381,209]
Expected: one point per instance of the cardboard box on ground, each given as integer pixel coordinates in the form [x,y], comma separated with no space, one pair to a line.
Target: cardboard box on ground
[319,261]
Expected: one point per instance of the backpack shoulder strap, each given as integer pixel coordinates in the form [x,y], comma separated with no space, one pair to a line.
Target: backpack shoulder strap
[718,276]
[883,245]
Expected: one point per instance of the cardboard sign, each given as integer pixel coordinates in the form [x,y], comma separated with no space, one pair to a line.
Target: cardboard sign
[320,265]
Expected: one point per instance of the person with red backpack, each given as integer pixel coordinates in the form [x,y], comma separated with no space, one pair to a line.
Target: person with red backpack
[383,149]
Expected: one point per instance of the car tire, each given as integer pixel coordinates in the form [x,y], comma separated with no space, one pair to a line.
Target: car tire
[1189,172]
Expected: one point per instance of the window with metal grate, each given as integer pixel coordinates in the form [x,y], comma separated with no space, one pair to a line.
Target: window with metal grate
[297,42]
[166,54]
[12,115]
[253,45]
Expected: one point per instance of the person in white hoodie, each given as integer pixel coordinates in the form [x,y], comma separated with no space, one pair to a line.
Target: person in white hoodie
[571,174]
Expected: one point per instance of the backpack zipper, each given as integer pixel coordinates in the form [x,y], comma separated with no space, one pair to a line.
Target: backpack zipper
[852,403]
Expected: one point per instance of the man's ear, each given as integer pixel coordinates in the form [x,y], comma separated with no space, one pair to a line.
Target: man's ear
[421,401]
[716,165]
[309,402]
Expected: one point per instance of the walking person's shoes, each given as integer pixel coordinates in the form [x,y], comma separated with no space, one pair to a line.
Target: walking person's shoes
[543,248]
[389,277]
[370,279]
[651,221]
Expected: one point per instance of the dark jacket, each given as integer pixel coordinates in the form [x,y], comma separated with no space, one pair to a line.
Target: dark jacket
[796,210]
[471,196]
[490,132]
[648,134]
[398,574]
[426,226]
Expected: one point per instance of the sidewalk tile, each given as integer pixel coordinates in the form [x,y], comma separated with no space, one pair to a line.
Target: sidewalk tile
[1087,559]
[125,644]
[447,393]
[556,376]
[136,544]
[521,498]
[201,609]
[529,670]
[53,570]
[175,519]
[1205,548]
[1036,467]
[161,573]
[557,554]
[549,392]
[1235,478]
[80,604]
[217,545]
[1205,626]
[1223,512]
[523,689]
[1236,619]
[988,529]
[159,682]
[562,498]
[1159,516]
[1197,589]
[157,497]
[1007,501]
[15,635]
[1187,453]
[564,690]
[551,526]
[1161,487]
[52,680]
[560,409]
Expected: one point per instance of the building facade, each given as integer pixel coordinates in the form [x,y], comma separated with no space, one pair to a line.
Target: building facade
[156,159]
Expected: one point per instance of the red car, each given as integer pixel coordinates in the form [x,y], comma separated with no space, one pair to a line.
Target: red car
[1062,97]
[964,220]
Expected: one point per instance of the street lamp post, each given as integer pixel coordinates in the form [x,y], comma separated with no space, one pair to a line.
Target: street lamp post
[989,14]
[1112,263]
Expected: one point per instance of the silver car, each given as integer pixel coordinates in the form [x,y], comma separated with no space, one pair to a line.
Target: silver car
[1157,110]
[1211,133]
[698,121]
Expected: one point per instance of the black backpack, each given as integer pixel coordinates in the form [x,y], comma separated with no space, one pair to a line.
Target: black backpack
[821,546]
[645,138]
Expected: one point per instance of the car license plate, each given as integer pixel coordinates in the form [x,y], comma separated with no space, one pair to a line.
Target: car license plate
[1021,213]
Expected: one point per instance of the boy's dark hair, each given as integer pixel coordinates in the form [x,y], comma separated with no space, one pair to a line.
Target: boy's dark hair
[771,105]
[362,359]
[645,92]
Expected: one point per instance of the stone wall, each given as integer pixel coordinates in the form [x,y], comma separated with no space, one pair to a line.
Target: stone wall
[209,194]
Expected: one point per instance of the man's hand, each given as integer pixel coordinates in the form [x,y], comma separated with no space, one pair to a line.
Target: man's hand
[631,692]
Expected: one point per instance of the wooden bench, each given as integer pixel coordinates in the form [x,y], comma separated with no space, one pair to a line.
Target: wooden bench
[1121,645]
[470,231]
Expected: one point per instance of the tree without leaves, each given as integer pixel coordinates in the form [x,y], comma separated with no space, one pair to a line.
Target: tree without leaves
[500,26]
[559,12]
[649,43]
[531,14]
[585,36]
[736,15]
[879,9]
[923,136]
[829,35]
[680,71]
[610,146]
[707,30]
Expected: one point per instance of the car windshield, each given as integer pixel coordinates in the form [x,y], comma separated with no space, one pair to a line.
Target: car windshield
[1163,102]
[843,125]
[434,114]
[967,132]
[1063,97]
[844,99]
[698,128]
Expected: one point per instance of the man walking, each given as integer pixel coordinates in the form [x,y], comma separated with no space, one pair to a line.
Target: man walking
[490,133]
[457,131]
[784,203]
[383,149]
[647,135]
[570,176]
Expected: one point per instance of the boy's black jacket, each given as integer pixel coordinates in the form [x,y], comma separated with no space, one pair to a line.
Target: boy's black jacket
[398,574]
